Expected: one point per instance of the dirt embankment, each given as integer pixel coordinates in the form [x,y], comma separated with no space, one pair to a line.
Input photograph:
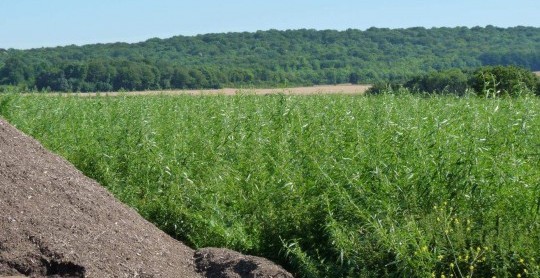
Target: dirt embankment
[56,222]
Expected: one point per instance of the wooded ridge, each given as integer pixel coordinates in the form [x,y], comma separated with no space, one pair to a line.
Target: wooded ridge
[269,58]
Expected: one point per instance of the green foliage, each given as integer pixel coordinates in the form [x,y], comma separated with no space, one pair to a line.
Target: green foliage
[330,186]
[453,81]
[382,88]
[501,80]
[525,58]
[490,81]
[538,86]
[270,58]
[14,71]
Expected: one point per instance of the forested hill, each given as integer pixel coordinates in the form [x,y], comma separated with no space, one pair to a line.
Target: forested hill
[268,58]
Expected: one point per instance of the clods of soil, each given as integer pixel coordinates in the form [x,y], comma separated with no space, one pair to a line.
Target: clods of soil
[219,262]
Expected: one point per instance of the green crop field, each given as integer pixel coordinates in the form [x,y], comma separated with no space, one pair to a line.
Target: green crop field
[327,185]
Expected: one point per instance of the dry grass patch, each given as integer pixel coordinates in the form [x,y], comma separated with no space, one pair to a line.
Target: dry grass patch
[343,89]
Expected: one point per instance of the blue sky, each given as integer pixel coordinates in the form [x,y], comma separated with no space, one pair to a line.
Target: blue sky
[37,23]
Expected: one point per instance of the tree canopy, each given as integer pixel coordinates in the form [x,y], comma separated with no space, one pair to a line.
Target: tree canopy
[269,58]
[488,81]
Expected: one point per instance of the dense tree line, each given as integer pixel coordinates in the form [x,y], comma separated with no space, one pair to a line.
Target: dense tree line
[269,58]
[489,81]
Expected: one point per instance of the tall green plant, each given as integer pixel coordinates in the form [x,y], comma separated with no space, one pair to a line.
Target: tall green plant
[330,186]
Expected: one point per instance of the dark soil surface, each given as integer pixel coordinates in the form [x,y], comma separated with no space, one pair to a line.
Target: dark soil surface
[218,262]
[56,222]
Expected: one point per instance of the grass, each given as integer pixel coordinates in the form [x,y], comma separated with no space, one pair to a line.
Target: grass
[329,186]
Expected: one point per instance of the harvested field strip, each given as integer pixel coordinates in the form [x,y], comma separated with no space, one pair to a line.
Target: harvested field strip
[343,89]
[329,185]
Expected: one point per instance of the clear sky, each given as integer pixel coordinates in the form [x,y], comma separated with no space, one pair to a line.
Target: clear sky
[36,23]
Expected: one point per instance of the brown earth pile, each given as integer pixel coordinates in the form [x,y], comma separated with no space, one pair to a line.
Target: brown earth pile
[56,222]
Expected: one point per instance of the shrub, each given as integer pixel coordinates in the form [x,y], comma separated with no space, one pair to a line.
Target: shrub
[503,80]
[381,88]
[538,85]
[452,81]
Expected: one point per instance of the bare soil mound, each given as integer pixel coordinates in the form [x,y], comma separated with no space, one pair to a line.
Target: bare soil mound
[56,222]
[219,262]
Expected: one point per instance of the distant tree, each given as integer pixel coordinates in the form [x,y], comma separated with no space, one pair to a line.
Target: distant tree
[54,81]
[380,88]
[181,79]
[199,80]
[135,76]
[241,76]
[452,81]
[503,80]
[354,78]
[100,71]
[14,72]
[331,76]
[523,58]
[275,58]
[538,86]
[149,76]
[75,71]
